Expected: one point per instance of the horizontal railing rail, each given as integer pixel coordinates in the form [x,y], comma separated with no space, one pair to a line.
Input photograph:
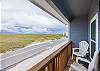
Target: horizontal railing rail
[56,61]
[14,57]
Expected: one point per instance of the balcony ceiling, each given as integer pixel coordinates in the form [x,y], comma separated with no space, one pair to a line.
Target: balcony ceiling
[73,8]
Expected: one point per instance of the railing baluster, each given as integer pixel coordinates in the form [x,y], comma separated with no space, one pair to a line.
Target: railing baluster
[55,63]
[50,67]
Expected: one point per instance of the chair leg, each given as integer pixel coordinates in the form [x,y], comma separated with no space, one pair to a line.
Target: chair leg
[76,59]
[72,56]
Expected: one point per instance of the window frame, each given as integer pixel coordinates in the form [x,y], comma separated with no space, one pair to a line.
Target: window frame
[95,18]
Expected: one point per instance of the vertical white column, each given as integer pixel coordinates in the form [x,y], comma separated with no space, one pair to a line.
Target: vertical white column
[67,31]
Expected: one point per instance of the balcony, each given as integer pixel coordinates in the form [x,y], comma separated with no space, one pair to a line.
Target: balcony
[54,55]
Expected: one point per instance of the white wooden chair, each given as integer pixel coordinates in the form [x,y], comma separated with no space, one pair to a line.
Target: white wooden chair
[82,50]
[92,65]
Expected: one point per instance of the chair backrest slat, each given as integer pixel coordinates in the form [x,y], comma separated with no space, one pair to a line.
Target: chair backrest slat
[83,45]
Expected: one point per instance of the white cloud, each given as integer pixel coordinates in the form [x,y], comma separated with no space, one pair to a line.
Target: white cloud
[35,29]
[24,13]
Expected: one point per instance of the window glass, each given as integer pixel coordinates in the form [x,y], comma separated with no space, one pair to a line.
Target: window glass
[93,47]
[93,30]
[23,24]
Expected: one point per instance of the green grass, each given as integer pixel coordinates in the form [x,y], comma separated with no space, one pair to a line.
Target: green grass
[9,42]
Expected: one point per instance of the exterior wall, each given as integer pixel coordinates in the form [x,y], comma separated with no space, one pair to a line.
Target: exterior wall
[94,8]
[79,30]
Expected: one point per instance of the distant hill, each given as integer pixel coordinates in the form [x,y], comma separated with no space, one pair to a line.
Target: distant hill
[6,32]
[49,31]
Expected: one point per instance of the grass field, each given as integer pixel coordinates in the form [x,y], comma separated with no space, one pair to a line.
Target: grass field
[9,42]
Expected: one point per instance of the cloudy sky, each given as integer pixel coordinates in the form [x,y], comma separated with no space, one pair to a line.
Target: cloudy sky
[21,16]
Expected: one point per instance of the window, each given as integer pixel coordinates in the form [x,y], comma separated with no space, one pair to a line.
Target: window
[26,30]
[24,24]
[93,48]
[93,30]
[93,35]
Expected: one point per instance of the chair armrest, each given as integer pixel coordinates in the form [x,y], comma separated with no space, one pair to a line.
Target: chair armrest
[82,59]
[75,49]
